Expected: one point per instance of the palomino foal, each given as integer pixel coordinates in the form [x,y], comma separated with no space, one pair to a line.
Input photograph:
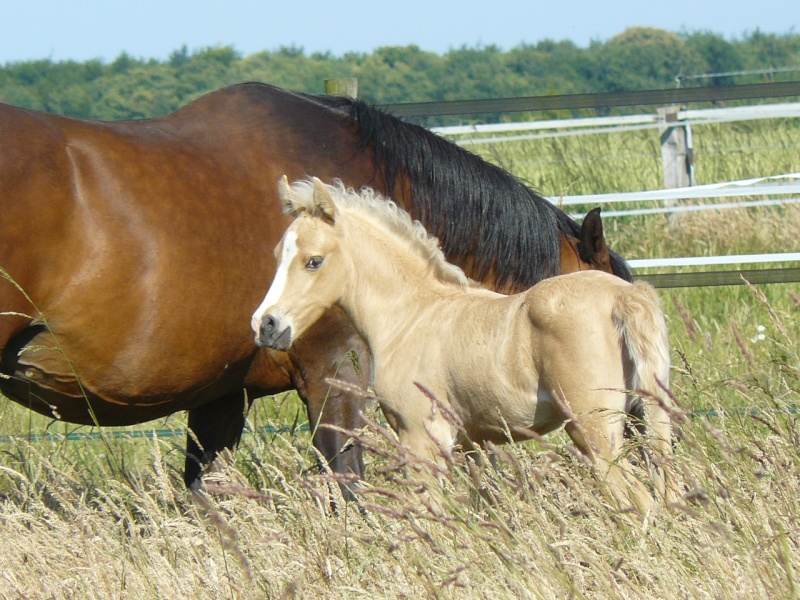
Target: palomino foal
[562,353]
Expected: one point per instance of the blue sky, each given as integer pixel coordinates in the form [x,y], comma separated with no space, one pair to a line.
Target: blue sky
[86,29]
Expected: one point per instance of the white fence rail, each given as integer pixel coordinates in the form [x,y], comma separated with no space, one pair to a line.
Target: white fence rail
[728,189]
[593,125]
[708,261]
[777,185]
[764,186]
[766,191]
[769,191]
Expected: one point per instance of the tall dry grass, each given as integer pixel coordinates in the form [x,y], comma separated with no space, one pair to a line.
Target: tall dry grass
[536,527]
[111,519]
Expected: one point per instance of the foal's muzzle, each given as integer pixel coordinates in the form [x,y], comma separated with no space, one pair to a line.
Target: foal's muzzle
[273,333]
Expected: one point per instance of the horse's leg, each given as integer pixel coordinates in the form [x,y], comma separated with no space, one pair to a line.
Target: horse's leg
[332,349]
[215,426]
[328,405]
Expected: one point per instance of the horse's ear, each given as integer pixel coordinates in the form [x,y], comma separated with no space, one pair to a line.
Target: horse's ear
[324,202]
[592,246]
[287,196]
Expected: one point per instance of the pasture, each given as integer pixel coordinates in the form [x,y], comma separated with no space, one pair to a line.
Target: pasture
[110,518]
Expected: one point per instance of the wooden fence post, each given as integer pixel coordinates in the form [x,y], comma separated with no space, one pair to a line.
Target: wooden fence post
[677,153]
[342,87]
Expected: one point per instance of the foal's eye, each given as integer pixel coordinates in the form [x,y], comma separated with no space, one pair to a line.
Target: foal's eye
[314,263]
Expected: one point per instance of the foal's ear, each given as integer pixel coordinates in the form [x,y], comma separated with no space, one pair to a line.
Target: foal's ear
[323,201]
[286,195]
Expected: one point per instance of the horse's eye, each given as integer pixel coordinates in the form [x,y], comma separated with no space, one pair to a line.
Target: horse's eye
[314,263]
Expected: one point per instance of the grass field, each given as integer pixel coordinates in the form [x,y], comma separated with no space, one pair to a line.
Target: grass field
[109,518]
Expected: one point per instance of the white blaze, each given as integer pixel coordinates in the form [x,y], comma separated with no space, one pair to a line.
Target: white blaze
[276,289]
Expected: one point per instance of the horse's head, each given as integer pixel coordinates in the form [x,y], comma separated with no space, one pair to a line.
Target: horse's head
[588,251]
[308,279]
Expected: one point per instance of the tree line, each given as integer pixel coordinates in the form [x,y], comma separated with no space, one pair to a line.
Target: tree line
[638,58]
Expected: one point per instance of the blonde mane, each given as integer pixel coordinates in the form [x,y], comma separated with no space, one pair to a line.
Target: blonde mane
[385,213]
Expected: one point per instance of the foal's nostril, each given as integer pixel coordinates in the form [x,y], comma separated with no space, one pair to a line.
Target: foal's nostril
[268,324]
[273,333]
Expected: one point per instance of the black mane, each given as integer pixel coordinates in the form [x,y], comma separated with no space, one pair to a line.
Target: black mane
[483,216]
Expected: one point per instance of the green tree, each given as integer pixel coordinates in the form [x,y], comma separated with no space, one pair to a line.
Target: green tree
[718,56]
[638,58]
[767,50]
[641,58]
[548,67]
[395,73]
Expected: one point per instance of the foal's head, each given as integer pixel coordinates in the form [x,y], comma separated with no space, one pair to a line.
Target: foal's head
[333,225]
[310,274]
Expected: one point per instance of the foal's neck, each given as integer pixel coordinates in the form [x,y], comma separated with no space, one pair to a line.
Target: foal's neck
[389,286]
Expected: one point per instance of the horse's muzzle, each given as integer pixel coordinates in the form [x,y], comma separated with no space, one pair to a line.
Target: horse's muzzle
[273,334]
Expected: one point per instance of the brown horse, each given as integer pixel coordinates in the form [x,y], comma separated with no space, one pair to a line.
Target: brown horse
[134,252]
[563,352]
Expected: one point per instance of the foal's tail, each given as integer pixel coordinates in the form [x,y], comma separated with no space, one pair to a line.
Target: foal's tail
[638,318]
[643,332]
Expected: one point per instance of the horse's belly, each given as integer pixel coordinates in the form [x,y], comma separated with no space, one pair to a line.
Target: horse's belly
[69,384]
[39,361]
[38,376]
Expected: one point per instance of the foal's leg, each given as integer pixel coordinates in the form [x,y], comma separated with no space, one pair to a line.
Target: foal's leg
[659,437]
[598,433]
[481,458]
[429,440]
[430,445]
[426,431]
